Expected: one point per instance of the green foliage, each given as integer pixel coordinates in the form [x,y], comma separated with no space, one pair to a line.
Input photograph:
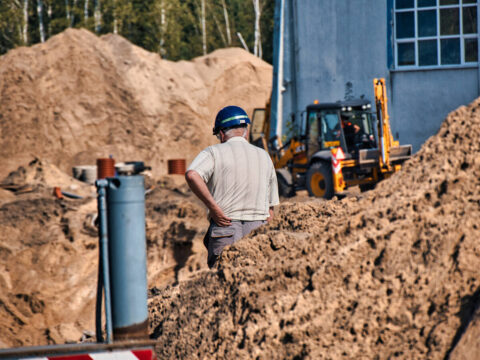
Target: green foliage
[10,25]
[171,28]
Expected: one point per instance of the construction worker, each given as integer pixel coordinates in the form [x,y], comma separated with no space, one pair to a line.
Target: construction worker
[235,180]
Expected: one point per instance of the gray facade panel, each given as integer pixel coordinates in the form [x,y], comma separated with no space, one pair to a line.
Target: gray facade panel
[420,100]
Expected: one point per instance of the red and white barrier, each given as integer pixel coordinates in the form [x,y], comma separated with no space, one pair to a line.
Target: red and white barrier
[144,354]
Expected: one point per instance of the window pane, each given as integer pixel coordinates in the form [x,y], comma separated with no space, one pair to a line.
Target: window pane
[427,52]
[448,2]
[427,23]
[424,3]
[471,50]
[470,20]
[449,22]
[405,25]
[469,1]
[403,4]
[406,54]
[450,51]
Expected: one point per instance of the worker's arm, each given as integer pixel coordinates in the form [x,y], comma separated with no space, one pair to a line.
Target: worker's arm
[270,211]
[199,188]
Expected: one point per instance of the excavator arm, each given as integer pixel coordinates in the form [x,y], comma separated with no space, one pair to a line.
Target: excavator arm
[385,137]
[391,153]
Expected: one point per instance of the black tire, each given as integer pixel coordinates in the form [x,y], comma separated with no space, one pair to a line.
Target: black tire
[320,180]
[366,187]
[284,189]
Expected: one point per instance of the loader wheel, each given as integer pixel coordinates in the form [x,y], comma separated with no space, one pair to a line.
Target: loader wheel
[320,180]
[367,187]
[284,189]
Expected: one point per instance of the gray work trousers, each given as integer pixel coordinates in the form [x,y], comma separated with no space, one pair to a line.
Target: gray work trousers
[217,237]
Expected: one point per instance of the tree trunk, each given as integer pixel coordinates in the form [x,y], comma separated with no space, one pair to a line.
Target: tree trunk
[72,15]
[85,11]
[227,23]
[163,29]
[40,20]
[257,47]
[49,12]
[204,29]
[243,41]
[25,22]
[217,24]
[98,16]
[115,20]
[67,10]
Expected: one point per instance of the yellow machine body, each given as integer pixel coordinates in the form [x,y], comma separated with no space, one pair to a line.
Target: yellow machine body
[330,156]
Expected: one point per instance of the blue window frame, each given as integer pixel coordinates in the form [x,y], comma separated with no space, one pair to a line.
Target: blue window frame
[435,33]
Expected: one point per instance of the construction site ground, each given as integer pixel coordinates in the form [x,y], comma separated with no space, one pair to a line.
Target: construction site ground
[388,273]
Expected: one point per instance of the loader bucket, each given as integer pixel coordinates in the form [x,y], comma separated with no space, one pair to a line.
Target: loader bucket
[368,157]
[399,154]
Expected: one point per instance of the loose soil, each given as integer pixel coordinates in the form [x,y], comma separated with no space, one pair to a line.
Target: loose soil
[391,273]
[78,97]
[74,99]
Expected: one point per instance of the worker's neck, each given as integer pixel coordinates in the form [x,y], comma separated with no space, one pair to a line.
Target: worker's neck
[231,134]
[234,136]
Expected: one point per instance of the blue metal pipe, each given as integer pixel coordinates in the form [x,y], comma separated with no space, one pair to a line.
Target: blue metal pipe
[98,303]
[276,104]
[104,256]
[128,256]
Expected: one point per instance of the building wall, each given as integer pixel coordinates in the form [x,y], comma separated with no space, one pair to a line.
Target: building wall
[420,100]
[335,49]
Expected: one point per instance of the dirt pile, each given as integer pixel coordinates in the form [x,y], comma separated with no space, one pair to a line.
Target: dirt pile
[392,273]
[41,177]
[67,102]
[49,253]
[78,97]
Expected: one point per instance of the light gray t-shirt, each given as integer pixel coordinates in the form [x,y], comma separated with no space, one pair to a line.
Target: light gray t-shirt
[240,177]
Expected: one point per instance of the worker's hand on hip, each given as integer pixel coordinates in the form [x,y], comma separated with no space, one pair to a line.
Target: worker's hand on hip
[270,215]
[219,217]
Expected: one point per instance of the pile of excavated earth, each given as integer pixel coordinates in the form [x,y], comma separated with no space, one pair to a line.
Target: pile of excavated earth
[390,273]
[67,102]
[79,97]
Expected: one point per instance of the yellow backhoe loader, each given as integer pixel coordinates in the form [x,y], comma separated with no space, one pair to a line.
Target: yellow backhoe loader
[341,145]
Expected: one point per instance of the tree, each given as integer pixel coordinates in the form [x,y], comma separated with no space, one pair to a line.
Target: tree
[204,28]
[12,25]
[176,29]
[98,16]
[257,47]
[227,22]
[41,28]
[25,22]
[85,12]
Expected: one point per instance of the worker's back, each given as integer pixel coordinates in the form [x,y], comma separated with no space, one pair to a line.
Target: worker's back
[241,178]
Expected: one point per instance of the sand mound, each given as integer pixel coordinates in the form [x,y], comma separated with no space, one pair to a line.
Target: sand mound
[392,273]
[41,174]
[71,100]
[49,252]
[78,97]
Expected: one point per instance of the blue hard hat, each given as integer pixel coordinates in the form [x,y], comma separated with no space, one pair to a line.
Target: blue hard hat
[230,116]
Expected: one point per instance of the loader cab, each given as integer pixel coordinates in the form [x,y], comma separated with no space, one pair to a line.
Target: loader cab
[257,127]
[347,124]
